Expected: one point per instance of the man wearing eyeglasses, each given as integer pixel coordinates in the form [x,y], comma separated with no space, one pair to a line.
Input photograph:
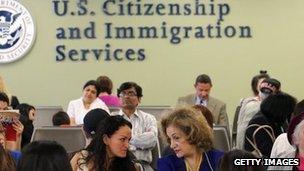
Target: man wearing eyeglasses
[144,127]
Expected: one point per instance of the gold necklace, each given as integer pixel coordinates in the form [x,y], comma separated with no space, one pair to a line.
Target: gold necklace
[197,164]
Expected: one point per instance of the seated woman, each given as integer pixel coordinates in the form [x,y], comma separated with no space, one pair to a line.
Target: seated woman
[27,116]
[268,123]
[202,110]
[109,148]
[44,155]
[190,137]
[78,108]
[105,94]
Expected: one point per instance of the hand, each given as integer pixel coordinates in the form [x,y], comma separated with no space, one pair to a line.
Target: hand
[18,126]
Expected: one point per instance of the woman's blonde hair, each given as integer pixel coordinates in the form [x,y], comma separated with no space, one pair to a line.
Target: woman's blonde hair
[193,124]
[3,87]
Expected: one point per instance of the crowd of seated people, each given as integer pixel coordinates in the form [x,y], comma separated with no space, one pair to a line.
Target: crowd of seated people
[269,124]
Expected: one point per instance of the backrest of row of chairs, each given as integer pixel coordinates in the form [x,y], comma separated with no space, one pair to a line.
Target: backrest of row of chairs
[157,111]
[71,138]
[44,115]
[221,138]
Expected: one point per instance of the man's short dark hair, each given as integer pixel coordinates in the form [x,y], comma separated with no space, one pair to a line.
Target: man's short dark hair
[128,85]
[203,78]
[61,118]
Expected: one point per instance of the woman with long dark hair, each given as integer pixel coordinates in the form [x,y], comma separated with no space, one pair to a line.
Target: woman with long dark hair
[109,148]
[27,116]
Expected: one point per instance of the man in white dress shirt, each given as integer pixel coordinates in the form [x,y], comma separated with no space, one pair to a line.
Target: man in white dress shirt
[144,131]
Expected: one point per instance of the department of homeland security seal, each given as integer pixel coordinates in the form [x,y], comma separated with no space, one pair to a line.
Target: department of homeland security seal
[17,31]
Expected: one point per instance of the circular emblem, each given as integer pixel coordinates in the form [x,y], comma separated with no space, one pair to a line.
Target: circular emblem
[17,31]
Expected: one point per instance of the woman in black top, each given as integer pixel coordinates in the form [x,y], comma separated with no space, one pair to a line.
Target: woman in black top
[27,113]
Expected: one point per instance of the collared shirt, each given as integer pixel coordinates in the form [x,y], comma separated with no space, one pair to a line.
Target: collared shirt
[144,133]
[200,101]
[77,110]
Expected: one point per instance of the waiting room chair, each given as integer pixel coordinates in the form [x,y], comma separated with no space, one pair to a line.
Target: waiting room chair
[156,154]
[156,111]
[71,138]
[221,138]
[234,126]
[44,115]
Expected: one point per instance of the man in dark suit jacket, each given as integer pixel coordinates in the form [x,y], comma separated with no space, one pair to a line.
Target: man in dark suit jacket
[203,86]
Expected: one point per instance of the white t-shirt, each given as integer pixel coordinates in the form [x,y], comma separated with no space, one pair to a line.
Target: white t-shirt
[281,147]
[77,110]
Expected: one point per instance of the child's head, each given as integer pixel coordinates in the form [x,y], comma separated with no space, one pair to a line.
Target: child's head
[61,118]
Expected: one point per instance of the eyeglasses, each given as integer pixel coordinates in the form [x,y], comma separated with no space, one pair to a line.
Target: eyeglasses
[130,94]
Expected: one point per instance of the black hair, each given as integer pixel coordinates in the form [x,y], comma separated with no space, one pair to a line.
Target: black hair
[278,107]
[97,148]
[4,97]
[44,155]
[128,85]
[227,161]
[24,110]
[255,81]
[61,118]
[203,78]
[299,108]
[91,121]
[93,83]
[105,84]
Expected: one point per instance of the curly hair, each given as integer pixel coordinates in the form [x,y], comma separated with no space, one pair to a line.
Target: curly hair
[193,124]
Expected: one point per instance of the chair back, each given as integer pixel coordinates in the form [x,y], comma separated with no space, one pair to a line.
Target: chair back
[221,138]
[156,154]
[71,138]
[156,111]
[44,115]
[234,126]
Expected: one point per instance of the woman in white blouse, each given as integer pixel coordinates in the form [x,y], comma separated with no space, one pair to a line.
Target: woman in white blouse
[78,108]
